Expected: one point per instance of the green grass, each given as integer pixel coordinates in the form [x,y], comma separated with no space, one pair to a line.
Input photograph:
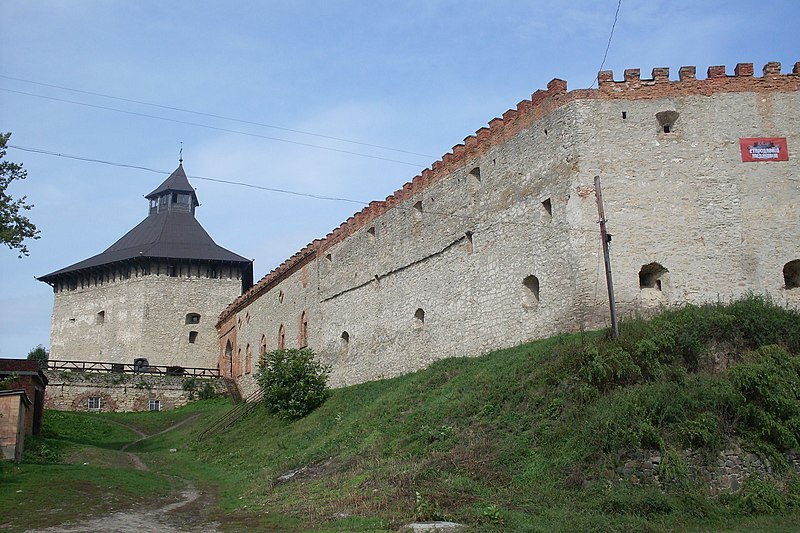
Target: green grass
[527,439]
[524,439]
[75,468]
[35,495]
[152,422]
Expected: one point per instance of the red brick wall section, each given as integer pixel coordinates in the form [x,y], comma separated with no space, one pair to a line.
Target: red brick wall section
[227,332]
[28,383]
[631,87]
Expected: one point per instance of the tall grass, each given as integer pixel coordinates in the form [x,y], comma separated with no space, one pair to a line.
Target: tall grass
[532,435]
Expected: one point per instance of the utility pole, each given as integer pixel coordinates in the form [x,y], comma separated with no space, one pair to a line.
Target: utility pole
[605,238]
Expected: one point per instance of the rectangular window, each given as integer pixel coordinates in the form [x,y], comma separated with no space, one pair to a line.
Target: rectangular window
[93,403]
[154,405]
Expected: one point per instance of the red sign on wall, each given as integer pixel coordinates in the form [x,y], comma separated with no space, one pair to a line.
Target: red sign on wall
[764,149]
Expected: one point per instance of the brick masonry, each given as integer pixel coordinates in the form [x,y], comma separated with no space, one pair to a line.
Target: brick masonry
[497,243]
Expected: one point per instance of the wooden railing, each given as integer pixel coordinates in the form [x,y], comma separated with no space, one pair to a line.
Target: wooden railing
[122,368]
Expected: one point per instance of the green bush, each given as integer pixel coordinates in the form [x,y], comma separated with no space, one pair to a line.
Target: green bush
[758,496]
[293,382]
[207,392]
[39,354]
[769,386]
[702,431]
[190,386]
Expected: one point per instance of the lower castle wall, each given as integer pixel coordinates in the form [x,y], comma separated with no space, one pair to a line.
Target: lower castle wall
[71,390]
[723,473]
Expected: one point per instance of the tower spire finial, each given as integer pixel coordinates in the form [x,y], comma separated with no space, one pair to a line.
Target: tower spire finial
[180,160]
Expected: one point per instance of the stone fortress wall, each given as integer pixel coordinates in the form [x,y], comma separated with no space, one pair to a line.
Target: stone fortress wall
[117,316]
[113,392]
[498,243]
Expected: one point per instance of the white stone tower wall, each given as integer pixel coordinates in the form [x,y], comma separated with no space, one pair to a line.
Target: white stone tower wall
[143,317]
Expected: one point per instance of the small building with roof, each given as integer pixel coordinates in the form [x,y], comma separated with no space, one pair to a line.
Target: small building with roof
[152,297]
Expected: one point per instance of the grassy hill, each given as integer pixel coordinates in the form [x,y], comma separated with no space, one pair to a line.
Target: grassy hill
[531,438]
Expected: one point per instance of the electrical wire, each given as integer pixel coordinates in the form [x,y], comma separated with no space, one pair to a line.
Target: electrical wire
[199,125]
[291,192]
[213,115]
[608,45]
[205,178]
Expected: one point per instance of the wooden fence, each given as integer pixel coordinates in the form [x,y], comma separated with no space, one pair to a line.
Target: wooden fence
[137,368]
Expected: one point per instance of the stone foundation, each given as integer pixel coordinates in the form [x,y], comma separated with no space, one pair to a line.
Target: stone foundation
[72,391]
[723,473]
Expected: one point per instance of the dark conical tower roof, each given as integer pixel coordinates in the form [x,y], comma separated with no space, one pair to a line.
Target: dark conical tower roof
[170,231]
[176,182]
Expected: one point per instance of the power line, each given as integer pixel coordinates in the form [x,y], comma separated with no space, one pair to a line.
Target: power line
[213,115]
[608,45]
[287,191]
[217,180]
[199,125]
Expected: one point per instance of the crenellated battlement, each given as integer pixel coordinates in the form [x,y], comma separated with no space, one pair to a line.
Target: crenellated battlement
[541,103]
[687,83]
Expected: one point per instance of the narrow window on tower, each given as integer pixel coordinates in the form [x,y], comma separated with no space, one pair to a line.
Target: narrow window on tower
[419,318]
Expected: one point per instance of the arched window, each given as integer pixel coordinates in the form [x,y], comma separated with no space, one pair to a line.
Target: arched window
[791,274]
[344,343]
[248,360]
[263,347]
[100,318]
[192,318]
[303,330]
[228,349]
[530,292]
[281,337]
[419,318]
[474,179]
[652,276]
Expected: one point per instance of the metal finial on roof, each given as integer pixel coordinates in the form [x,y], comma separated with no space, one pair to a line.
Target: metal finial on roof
[180,160]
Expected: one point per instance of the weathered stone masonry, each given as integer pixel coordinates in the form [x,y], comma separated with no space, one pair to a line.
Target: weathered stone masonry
[497,243]
[155,294]
[112,392]
[150,299]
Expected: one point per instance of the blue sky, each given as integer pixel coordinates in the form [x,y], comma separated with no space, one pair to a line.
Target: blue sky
[415,76]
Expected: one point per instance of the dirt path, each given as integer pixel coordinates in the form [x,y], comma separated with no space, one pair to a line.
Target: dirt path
[165,519]
[181,515]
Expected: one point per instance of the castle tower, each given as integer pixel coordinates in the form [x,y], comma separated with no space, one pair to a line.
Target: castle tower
[155,294]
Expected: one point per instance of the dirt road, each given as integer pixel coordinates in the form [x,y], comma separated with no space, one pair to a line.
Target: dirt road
[182,514]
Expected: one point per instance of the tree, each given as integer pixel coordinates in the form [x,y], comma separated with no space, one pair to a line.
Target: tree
[294,383]
[39,354]
[14,226]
